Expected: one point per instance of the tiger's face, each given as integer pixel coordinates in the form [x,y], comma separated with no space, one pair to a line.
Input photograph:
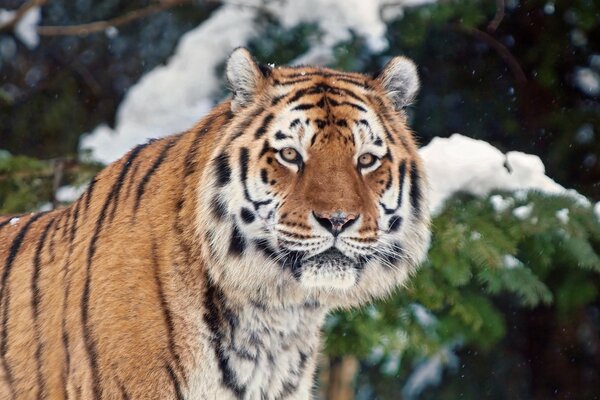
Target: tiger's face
[317,190]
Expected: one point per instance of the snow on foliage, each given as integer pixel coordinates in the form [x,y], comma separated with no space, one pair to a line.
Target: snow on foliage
[461,164]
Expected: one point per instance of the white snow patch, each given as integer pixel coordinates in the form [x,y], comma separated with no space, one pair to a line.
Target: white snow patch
[501,204]
[476,235]
[588,81]
[510,261]
[429,372]
[26,28]
[171,98]
[424,317]
[68,194]
[461,164]
[563,215]
[523,212]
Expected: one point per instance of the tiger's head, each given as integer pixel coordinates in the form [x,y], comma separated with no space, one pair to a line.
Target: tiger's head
[315,190]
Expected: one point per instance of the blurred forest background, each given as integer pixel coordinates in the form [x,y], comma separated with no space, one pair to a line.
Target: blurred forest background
[506,307]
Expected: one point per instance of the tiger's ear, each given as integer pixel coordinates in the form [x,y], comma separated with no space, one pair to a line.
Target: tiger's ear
[400,81]
[245,77]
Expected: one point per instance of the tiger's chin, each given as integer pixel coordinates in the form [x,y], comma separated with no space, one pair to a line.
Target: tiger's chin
[329,270]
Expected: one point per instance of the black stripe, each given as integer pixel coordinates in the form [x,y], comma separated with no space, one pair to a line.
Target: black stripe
[244,158]
[264,175]
[89,341]
[5,295]
[337,75]
[266,147]
[293,82]
[175,382]
[67,286]
[151,171]
[131,179]
[302,107]
[281,136]
[353,105]
[247,215]
[415,189]
[277,99]
[247,122]
[264,126]
[116,191]
[237,243]
[214,308]
[168,318]
[191,158]
[402,174]
[35,303]
[219,208]
[90,192]
[73,227]
[295,123]
[221,165]
[394,223]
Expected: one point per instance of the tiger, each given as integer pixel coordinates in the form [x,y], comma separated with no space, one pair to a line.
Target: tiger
[202,265]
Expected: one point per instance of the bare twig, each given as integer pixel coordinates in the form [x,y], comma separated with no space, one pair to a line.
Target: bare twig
[493,25]
[20,13]
[501,49]
[99,26]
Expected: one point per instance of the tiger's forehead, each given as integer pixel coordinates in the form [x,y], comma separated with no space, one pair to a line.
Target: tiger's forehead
[326,105]
[292,75]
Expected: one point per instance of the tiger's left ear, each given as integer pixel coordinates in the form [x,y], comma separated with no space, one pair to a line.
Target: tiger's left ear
[400,81]
[245,76]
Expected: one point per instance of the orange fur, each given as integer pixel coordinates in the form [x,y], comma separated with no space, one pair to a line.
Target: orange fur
[106,297]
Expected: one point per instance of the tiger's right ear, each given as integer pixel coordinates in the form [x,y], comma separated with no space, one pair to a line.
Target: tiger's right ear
[245,77]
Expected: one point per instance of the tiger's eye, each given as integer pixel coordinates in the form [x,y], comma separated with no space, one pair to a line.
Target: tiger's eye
[289,154]
[366,160]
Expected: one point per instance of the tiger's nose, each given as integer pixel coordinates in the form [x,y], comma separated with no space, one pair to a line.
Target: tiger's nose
[335,222]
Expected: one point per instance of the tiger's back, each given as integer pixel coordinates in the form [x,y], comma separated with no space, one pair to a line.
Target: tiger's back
[201,265]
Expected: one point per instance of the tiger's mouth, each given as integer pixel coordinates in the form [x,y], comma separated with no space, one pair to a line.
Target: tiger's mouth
[329,269]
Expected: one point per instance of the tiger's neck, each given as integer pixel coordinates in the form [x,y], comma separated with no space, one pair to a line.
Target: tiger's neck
[261,350]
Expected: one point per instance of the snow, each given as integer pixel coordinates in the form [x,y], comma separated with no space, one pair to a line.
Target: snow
[429,372]
[588,81]
[424,317]
[461,164]
[523,212]
[501,204]
[563,215]
[68,194]
[26,28]
[510,261]
[171,98]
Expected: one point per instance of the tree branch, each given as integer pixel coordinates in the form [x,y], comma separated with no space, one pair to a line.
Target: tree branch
[99,26]
[493,25]
[501,49]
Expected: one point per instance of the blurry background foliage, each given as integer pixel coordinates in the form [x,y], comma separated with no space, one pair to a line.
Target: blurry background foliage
[505,307]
